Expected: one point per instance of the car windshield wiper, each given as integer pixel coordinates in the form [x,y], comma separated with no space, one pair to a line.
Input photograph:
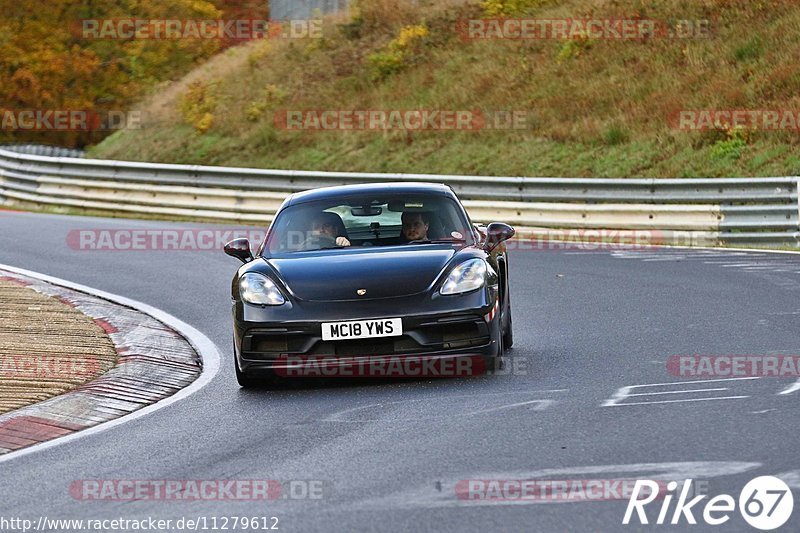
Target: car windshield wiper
[437,241]
[316,249]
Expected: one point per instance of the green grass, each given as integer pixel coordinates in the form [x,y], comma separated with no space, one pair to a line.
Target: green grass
[599,110]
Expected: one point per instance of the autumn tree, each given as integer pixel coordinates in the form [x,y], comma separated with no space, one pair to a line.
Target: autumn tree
[46,61]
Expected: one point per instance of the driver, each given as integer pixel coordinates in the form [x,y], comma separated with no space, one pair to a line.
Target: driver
[415,226]
[324,227]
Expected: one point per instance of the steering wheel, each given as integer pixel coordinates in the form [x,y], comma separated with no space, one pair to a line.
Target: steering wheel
[317,242]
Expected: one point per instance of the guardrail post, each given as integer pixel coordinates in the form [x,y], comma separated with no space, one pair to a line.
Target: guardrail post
[797,235]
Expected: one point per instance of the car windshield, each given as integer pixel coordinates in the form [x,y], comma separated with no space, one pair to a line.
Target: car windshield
[368,221]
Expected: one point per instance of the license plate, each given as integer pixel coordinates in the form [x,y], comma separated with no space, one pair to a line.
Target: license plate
[362,329]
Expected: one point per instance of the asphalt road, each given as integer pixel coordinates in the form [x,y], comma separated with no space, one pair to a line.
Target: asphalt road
[390,454]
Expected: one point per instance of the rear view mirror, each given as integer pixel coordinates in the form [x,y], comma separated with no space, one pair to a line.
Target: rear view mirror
[240,249]
[366,211]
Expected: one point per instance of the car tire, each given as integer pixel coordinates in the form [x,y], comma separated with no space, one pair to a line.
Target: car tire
[494,362]
[508,334]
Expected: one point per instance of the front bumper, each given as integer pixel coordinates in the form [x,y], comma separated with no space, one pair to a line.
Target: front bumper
[281,338]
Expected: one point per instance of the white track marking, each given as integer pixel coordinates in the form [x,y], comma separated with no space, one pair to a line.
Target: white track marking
[203,345]
[692,382]
[791,478]
[740,265]
[681,401]
[625,392]
[675,392]
[794,387]
[748,251]
[541,405]
[781,264]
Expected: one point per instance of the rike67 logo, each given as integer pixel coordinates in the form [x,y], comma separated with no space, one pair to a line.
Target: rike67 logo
[766,503]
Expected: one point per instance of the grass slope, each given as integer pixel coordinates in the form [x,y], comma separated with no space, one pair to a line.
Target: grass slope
[596,108]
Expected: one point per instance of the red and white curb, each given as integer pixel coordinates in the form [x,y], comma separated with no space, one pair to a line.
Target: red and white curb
[161,360]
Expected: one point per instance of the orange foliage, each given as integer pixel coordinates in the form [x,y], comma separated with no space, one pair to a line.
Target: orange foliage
[47,63]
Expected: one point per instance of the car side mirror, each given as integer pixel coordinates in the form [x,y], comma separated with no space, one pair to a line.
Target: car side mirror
[496,233]
[240,249]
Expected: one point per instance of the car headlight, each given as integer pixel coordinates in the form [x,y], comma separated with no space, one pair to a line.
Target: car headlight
[259,290]
[466,277]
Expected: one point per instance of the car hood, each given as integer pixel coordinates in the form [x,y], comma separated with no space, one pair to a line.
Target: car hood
[383,273]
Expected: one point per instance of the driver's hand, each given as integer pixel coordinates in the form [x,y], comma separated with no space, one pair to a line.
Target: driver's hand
[342,241]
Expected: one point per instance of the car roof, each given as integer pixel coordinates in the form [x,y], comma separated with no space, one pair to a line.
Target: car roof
[343,191]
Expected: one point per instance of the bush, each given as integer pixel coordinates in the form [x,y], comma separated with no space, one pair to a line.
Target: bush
[510,8]
[732,147]
[749,51]
[615,135]
[354,29]
[573,48]
[399,53]
[381,16]
[272,96]
[254,111]
[197,106]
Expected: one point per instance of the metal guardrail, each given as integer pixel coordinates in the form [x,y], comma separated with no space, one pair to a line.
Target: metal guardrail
[744,211]
[303,9]
[42,149]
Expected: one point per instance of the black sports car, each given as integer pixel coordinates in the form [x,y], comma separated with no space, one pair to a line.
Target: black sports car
[371,280]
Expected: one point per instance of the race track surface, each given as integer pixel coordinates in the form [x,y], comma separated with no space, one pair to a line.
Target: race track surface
[390,454]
